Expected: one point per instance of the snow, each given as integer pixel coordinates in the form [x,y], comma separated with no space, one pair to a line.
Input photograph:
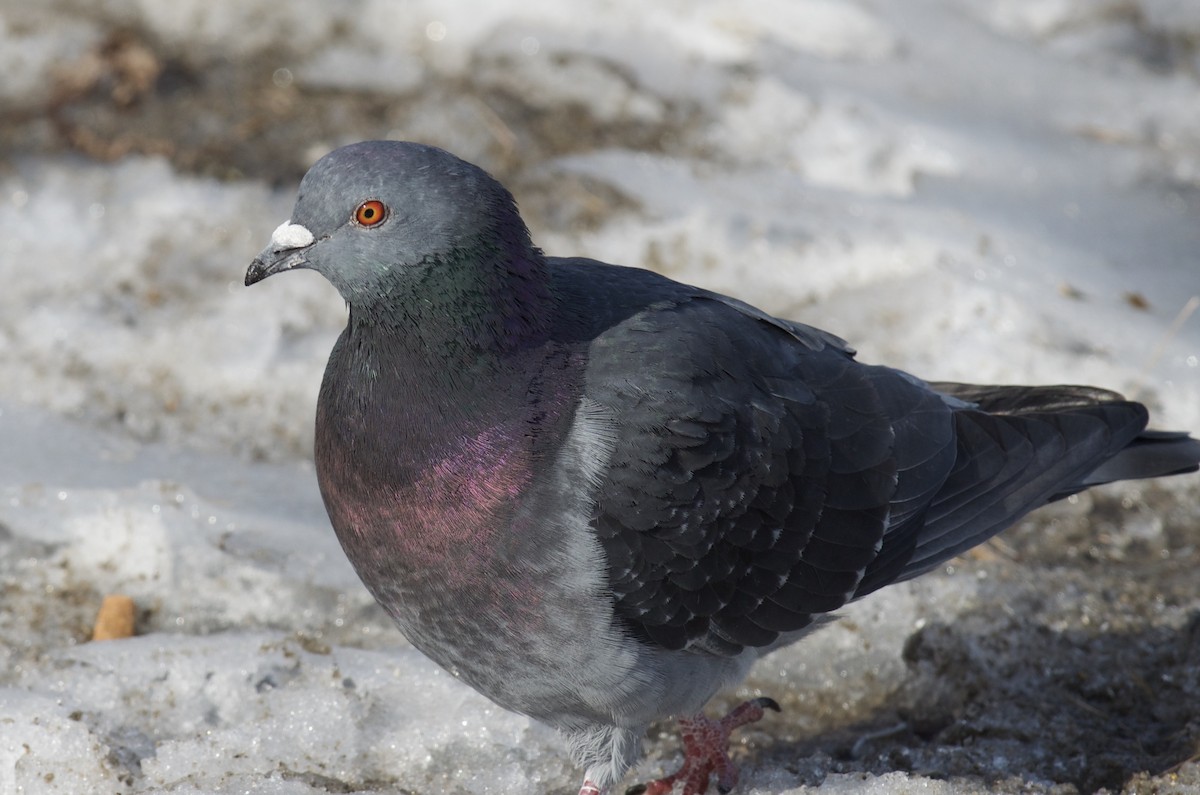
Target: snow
[989,192]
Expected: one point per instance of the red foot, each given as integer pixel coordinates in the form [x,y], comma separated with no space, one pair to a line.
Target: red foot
[589,788]
[706,751]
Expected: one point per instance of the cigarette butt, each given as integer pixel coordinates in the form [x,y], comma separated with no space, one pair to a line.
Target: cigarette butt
[115,619]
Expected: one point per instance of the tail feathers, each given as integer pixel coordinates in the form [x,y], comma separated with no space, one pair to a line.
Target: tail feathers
[1152,454]
[1019,448]
[1011,464]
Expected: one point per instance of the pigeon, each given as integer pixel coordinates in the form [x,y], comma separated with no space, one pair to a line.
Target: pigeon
[598,495]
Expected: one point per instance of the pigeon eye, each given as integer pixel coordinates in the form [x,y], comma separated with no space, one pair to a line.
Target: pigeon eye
[370,213]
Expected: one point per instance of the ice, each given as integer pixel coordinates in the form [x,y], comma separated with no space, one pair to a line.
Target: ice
[994,192]
[29,58]
[212,713]
[44,749]
[100,263]
[207,31]
[820,27]
[1175,16]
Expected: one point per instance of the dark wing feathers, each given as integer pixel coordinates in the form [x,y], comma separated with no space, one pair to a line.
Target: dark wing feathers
[753,473]
[761,477]
[1004,466]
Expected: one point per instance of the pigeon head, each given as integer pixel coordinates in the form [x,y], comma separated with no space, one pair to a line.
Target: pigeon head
[389,221]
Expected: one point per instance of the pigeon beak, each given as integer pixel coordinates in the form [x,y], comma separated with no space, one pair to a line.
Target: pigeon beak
[289,242]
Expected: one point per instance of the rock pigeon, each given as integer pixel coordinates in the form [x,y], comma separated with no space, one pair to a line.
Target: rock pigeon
[598,495]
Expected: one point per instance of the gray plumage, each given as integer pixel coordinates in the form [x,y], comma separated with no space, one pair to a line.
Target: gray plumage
[598,495]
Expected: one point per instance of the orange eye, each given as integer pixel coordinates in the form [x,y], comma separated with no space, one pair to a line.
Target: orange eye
[370,213]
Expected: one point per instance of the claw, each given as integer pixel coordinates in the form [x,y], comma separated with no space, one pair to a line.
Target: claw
[766,702]
[706,751]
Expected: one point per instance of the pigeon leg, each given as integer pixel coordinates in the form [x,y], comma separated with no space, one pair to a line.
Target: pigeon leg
[589,788]
[706,751]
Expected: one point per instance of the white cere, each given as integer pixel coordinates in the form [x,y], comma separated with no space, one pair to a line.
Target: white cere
[288,235]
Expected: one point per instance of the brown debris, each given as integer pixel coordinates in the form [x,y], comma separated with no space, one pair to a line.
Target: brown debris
[123,66]
[1136,300]
[115,618]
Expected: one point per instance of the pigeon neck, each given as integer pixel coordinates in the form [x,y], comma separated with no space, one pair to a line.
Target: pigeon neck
[460,308]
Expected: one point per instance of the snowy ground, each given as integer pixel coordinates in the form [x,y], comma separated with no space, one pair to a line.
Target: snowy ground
[993,191]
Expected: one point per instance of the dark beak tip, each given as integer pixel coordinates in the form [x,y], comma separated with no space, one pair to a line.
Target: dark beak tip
[256,272]
[272,261]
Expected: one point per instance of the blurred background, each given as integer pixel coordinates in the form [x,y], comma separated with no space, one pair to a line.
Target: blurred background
[987,191]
